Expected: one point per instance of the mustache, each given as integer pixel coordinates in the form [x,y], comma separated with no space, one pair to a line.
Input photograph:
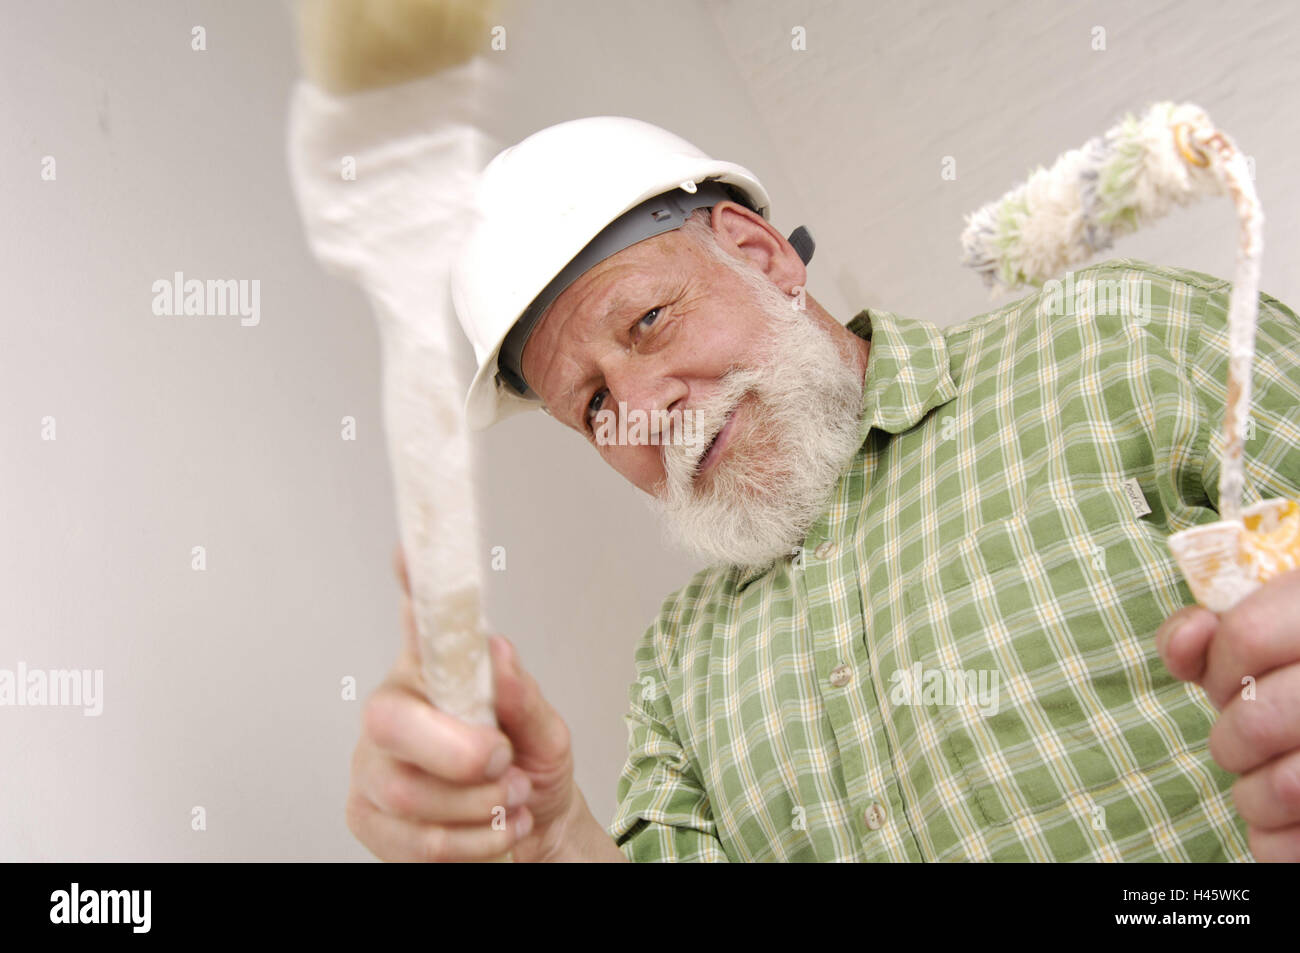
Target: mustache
[682,458]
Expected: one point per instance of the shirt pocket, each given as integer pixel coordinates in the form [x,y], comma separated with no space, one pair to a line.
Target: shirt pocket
[1029,646]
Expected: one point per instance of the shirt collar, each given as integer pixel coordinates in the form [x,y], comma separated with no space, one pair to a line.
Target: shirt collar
[908,375]
[908,370]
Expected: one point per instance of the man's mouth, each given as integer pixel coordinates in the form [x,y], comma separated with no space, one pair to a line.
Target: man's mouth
[719,443]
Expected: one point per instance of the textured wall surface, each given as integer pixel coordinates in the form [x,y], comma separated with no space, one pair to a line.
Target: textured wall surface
[222,688]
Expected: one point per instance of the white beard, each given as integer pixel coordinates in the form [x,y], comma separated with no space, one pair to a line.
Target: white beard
[800,427]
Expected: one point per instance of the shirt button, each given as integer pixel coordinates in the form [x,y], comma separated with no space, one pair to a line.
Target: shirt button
[874,816]
[824,550]
[840,675]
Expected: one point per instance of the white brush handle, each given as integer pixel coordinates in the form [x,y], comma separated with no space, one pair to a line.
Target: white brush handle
[416,149]
[430,455]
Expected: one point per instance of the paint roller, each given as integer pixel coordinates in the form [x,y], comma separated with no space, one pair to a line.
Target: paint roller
[1139,171]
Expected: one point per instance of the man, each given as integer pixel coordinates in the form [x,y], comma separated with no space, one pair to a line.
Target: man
[933,627]
[927,500]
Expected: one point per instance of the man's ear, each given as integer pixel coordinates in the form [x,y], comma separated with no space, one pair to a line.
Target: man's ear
[742,231]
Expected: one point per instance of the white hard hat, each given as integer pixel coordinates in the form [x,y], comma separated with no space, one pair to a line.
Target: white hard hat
[556,204]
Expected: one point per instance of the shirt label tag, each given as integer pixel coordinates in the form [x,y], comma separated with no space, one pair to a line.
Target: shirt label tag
[1136,498]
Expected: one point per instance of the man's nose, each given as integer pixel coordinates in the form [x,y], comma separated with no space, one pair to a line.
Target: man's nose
[656,396]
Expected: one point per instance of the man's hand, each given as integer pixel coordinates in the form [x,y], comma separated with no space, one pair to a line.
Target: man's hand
[428,787]
[1248,662]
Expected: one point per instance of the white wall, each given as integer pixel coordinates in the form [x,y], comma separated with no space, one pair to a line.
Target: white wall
[222,687]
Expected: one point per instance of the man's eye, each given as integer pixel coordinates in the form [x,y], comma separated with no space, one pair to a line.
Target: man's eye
[593,406]
[653,314]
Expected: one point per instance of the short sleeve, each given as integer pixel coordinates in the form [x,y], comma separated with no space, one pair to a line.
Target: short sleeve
[663,811]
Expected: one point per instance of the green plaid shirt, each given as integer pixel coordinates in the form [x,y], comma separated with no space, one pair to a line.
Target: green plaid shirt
[959,662]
